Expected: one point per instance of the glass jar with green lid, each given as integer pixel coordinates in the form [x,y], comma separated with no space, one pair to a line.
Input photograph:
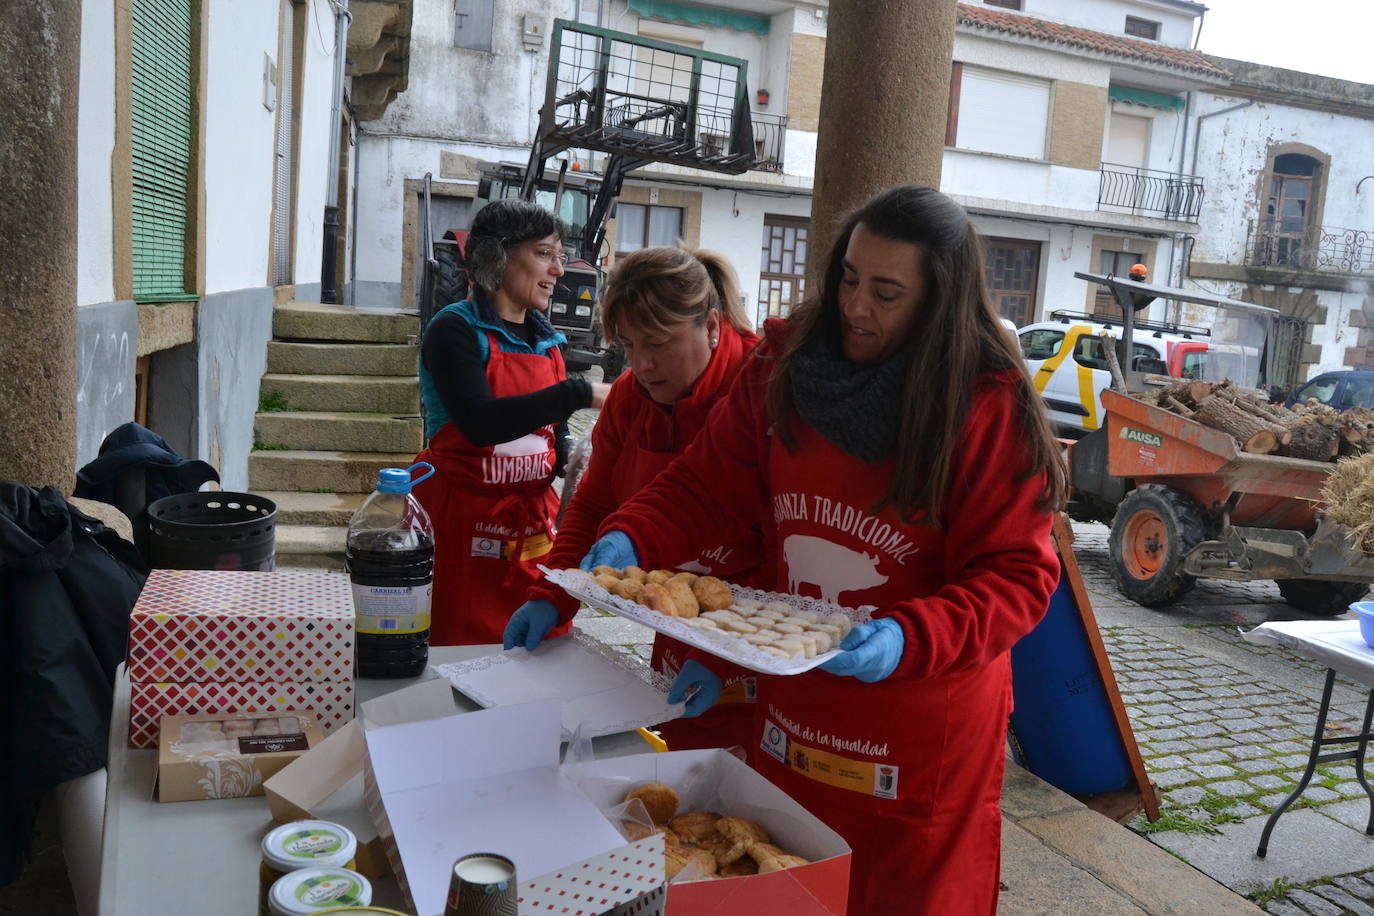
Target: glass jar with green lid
[310,891]
[303,844]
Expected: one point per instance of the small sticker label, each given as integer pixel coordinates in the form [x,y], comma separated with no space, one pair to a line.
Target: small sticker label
[1144,438]
[1147,455]
[273,744]
[487,547]
[774,741]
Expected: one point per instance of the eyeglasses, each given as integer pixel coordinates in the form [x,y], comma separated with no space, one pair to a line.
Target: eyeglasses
[549,255]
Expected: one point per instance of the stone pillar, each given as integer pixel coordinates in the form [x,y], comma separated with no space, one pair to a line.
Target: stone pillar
[884,102]
[41,46]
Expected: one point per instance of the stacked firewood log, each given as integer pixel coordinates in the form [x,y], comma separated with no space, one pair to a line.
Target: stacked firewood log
[1313,430]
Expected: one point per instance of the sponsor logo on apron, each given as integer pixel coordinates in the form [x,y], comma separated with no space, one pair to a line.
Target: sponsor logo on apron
[864,776]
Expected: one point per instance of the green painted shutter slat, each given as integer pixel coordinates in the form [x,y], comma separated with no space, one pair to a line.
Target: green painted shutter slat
[162,138]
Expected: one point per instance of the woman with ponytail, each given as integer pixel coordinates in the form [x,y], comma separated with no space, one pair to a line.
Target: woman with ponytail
[680,318]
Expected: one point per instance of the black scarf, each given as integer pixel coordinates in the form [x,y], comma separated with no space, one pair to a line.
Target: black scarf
[855,406]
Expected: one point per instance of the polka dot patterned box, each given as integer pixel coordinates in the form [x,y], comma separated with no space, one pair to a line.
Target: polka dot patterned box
[200,626]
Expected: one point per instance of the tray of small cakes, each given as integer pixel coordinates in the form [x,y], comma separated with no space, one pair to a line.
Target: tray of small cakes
[767,632]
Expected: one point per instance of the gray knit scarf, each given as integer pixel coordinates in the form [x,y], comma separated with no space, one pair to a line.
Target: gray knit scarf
[853,405]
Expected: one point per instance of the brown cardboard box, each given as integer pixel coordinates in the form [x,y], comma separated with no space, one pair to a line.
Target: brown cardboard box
[221,755]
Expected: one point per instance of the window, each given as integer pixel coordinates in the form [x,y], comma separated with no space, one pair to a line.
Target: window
[1005,4]
[588,12]
[1142,28]
[1011,270]
[1087,352]
[472,24]
[1113,264]
[1040,343]
[1288,211]
[1323,388]
[1001,113]
[782,269]
[1359,392]
[641,226]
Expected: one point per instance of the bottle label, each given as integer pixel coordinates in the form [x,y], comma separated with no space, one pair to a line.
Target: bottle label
[387,610]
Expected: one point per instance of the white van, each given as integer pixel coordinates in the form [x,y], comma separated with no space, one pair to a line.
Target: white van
[1069,369]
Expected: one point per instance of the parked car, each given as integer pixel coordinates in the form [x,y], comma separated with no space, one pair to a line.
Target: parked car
[1069,368]
[1342,389]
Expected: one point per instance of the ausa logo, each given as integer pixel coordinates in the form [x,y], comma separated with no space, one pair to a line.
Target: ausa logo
[1144,438]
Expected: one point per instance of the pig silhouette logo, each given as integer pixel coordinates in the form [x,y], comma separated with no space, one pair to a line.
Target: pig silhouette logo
[830,567]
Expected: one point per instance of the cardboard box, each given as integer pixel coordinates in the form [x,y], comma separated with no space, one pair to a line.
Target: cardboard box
[149,704]
[227,756]
[199,626]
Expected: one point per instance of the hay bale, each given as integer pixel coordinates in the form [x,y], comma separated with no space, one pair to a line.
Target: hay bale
[1349,499]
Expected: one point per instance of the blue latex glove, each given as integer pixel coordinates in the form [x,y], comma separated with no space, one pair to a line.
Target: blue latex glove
[614,549]
[702,684]
[871,651]
[531,622]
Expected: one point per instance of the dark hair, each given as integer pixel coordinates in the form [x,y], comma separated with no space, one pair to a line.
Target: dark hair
[955,337]
[496,229]
[654,288]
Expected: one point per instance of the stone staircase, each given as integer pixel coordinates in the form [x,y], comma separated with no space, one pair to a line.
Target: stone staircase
[340,400]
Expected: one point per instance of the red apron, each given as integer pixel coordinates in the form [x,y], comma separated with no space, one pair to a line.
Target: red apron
[730,721]
[908,771]
[492,508]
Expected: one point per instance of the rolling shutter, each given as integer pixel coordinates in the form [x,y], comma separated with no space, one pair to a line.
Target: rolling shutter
[1003,113]
[161,141]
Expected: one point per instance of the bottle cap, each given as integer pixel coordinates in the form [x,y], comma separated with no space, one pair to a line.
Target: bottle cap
[398,480]
[315,890]
[308,843]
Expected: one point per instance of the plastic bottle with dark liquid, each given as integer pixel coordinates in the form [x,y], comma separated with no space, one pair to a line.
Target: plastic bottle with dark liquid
[390,560]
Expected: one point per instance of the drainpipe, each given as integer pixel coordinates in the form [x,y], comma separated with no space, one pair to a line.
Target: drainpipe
[1197,131]
[329,289]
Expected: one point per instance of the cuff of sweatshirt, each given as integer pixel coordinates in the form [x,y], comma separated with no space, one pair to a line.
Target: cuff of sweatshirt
[582,393]
[908,666]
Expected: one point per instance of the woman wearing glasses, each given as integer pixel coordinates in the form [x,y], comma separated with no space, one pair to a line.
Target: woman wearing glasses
[497,399]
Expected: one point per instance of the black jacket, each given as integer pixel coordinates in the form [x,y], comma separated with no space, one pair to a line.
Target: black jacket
[67,586]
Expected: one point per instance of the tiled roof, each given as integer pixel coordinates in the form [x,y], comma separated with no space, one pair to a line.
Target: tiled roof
[994,20]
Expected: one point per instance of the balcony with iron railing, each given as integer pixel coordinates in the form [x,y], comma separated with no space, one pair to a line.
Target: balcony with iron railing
[769,132]
[1149,192]
[1280,245]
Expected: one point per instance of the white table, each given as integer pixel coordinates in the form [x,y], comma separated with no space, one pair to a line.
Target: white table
[202,856]
[1338,645]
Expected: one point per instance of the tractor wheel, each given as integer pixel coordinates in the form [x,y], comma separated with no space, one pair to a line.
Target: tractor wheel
[1154,527]
[1326,599]
[450,279]
[613,363]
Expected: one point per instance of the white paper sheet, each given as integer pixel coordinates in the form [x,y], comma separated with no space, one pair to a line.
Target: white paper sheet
[600,693]
[1334,643]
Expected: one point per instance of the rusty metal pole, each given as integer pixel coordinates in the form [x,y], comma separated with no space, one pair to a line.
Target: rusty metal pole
[884,104]
[41,46]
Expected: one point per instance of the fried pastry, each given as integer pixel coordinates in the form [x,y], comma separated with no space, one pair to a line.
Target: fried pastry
[676,858]
[606,571]
[683,598]
[694,826]
[712,594]
[658,577]
[607,581]
[687,577]
[634,572]
[740,868]
[659,800]
[628,588]
[770,858]
[740,834]
[658,598]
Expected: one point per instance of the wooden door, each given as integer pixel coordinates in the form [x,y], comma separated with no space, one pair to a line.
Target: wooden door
[1013,272]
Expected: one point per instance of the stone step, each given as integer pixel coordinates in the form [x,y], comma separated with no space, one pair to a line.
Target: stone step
[303,470]
[299,358]
[314,321]
[310,547]
[388,394]
[337,431]
[321,509]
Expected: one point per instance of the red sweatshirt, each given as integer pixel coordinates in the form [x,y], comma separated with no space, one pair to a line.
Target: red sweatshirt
[633,439]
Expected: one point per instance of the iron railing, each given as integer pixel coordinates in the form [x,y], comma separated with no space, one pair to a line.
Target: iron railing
[769,132]
[1149,191]
[1329,249]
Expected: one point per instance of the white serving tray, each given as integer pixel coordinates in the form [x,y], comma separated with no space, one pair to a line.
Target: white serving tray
[582,587]
[599,690]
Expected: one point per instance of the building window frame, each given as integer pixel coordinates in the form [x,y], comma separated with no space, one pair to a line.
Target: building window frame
[1138,27]
[623,242]
[784,244]
[1006,4]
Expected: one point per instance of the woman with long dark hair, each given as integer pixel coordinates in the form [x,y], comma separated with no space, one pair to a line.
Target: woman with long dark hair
[497,398]
[889,434]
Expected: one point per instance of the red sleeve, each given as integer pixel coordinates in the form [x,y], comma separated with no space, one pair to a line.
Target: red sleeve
[1000,564]
[716,485]
[594,499]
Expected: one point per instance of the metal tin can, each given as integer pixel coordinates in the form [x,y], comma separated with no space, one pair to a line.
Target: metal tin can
[482,884]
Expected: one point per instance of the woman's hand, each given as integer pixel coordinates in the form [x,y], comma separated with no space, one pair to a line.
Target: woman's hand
[614,549]
[871,651]
[698,685]
[600,390]
[530,624]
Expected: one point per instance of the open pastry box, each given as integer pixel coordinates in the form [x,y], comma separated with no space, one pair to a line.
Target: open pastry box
[440,787]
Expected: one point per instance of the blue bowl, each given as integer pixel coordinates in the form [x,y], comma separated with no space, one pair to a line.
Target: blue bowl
[1365,611]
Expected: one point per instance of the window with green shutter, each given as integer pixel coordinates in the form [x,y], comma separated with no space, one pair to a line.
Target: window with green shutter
[161,140]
